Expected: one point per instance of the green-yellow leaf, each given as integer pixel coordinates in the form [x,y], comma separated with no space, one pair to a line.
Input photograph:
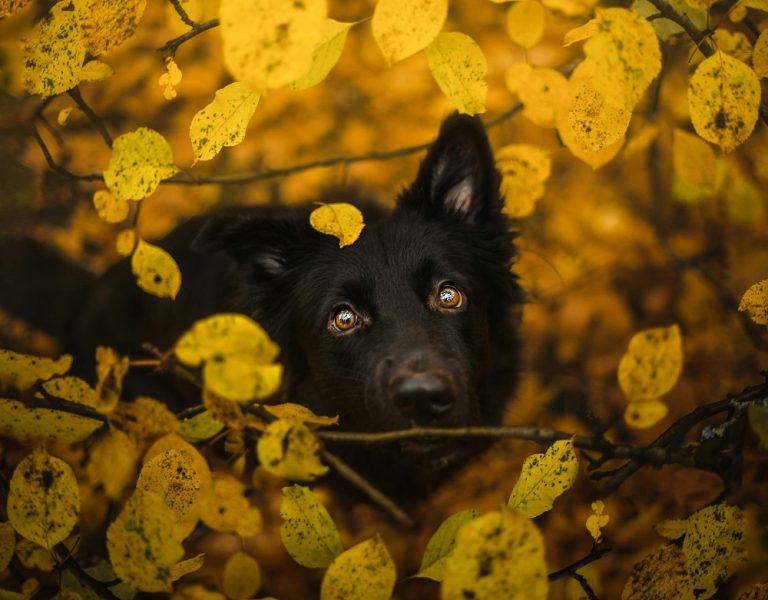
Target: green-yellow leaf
[140,161]
[760,55]
[308,531]
[758,420]
[225,508]
[72,389]
[43,499]
[242,576]
[403,27]
[524,169]
[441,544]
[95,70]
[525,22]
[672,529]
[110,207]
[7,544]
[499,556]
[270,44]
[236,355]
[363,571]
[326,55]
[659,575]
[110,22]
[22,371]
[723,98]
[652,363]
[156,271]
[54,54]
[43,424]
[713,545]
[200,427]
[543,478]
[694,160]
[340,220]
[458,65]
[223,122]
[289,449]
[144,543]
[755,302]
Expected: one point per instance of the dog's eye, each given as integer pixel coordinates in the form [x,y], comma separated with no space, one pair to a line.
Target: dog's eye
[449,297]
[344,319]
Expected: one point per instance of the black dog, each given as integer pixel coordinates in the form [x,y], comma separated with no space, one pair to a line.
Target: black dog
[415,324]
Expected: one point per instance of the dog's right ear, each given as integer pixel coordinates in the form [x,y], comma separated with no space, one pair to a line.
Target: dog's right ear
[259,246]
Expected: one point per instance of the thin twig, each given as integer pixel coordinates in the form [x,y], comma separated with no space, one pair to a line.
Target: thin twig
[97,121]
[54,166]
[69,562]
[596,553]
[173,45]
[183,14]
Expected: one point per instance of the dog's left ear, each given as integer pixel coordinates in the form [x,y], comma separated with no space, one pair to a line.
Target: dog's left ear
[458,176]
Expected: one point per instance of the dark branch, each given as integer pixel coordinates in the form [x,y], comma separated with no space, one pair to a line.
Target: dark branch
[597,552]
[69,562]
[97,121]
[183,14]
[171,46]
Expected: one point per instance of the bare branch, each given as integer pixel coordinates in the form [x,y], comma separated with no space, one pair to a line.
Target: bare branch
[596,553]
[171,46]
[183,14]
[97,121]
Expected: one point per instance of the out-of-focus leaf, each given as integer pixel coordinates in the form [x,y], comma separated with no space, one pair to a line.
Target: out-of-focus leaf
[144,419]
[326,54]
[242,576]
[459,67]
[125,242]
[170,79]
[7,544]
[694,160]
[758,420]
[156,271]
[43,499]
[34,556]
[661,574]
[112,461]
[525,22]
[403,27]
[672,529]
[110,370]
[297,412]
[363,571]
[289,449]
[645,412]
[340,220]
[187,566]
[308,531]
[200,427]
[72,389]
[541,94]
[735,43]
[524,169]
[755,302]
[597,520]
[652,363]
[8,7]
[441,544]
[109,23]
[95,70]
[22,371]
[111,208]
[225,508]
[760,55]
[581,33]
[499,556]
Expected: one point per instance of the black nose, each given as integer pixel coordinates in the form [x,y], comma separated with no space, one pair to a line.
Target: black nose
[423,397]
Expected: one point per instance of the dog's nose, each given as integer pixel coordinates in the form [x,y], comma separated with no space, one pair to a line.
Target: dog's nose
[423,397]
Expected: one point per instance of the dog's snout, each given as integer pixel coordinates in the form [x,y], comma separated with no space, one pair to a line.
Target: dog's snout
[422,397]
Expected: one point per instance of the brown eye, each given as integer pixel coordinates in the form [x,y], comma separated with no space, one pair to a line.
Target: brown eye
[344,319]
[449,297]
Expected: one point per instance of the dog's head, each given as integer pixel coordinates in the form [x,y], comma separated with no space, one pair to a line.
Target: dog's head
[414,323]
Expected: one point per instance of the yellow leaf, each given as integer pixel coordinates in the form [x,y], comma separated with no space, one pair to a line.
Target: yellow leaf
[601,157]
[734,43]
[297,412]
[525,22]
[110,370]
[403,27]
[458,65]
[516,76]
[524,169]
[672,529]
[645,412]
[95,70]
[713,544]
[541,95]
[187,566]
[144,543]
[140,161]
[144,419]
[760,55]
[72,389]
[236,355]
[659,575]
[200,427]
[308,531]
[8,7]
[597,520]
[442,543]
[22,371]
[226,509]
[54,54]
[758,421]
[34,556]
[543,478]
[723,98]
[198,591]
[326,55]
[363,571]
[43,424]
[499,556]
[694,160]
[652,363]
[156,271]
[7,544]
[570,8]
[126,242]
[743,198]
[110,22]
[63,115]
[242,576]
[289,449]
[581,33]
[170,79]
[641,140]
[110,208]
[222,122]
[340,220]
[268,45]
[755,302]
[43,499]
[112,461]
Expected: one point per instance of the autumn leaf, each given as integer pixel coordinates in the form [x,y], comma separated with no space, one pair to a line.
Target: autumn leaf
[441,544]
[156,271]
[7,544]
[43,424]
[459,67]
[144,419]
[268,45]
[642,413]
[723,98]
[581,33]
[403,27]
[8,7]
[170,79]
[223,122]
[755,302]
[72,389]
[43,499]
[242,576]
[540,94]
[597,520]
[543,478]
[109,23]
[326,55]
[340,220]
[200,427]
[110,371]
[364,571]
[760,55]
[22,371]
[659,575]
[112,462]
[499,556]
[308,531]
[289,449]
[95,70]
[525,22]
[54,54]
[185,567]
[694,160]
[672,529]
[758,421]
[652,363]
[125,242]
[110,207]
[297,412]
[516,76]
[524,169]
[35,556]
[226,509]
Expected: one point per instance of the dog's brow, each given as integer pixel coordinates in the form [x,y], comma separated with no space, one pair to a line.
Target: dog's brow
[359,291]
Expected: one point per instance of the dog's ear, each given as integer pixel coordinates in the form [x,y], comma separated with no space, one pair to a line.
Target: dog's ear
[458,176]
